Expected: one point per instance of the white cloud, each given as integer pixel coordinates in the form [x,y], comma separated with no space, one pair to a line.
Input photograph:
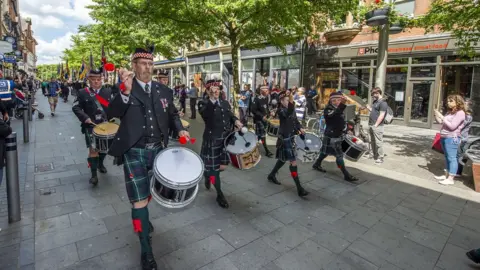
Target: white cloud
[48,21]
[77,10]
[50,52]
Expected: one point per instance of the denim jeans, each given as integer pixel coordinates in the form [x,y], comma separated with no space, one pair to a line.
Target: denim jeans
[450,148]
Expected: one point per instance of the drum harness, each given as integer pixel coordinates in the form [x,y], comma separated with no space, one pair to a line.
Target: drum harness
[97,103]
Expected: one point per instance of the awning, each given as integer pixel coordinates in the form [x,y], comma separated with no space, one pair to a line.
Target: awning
[179,59]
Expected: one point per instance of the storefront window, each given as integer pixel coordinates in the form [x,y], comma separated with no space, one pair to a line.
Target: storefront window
[247,64]
[426,71]
[424,60]
[262,65]
[356,80]
[395,89]
[356,64]
[458,58]
[293,78]
[247,78]
[288,61]
[397,61]
[327,81]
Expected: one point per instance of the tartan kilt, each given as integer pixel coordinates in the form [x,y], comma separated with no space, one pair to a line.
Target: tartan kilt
[137,163]
[332,146]
[88,132]
[260,130]
[286,149]
[214,154]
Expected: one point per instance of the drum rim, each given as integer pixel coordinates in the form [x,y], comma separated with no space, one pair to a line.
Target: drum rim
[313,134]
[226,139]
[167,182]
[171,205]
[111,135]
[352,144]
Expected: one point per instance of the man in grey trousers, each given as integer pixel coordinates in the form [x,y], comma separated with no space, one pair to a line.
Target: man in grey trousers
[378,110]
[193,95]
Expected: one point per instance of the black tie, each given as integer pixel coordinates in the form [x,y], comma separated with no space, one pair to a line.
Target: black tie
[147,88]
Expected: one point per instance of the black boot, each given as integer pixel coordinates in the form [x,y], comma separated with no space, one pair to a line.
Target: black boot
[301,191]
[93,163]
[346,175]
[101,167]
[318,163]
[474,255]
[267,151]
[272,176]
[142,227]
[206,176]
[215,178]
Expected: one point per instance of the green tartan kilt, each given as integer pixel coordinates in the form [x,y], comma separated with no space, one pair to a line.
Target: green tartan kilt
[137,163]
[88,132]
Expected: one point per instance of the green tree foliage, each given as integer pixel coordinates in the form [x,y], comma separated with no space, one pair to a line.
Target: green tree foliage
[461,17]
[240,23]
[45,72]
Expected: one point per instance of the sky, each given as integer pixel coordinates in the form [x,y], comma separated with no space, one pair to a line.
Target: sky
[53,23]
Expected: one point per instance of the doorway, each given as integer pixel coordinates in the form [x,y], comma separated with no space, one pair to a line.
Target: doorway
[419,107]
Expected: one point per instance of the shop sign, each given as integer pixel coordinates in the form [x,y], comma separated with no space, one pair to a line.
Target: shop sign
[10,59]
[424,46]
[12,41]
[5,47]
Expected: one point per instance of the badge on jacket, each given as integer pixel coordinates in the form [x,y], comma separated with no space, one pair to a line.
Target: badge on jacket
[164,103]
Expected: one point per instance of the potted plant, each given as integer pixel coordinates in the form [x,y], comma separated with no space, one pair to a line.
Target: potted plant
[399,22]
[375,13]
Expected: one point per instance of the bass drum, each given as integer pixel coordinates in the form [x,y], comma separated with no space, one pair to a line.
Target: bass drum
[242,149]
[176,173]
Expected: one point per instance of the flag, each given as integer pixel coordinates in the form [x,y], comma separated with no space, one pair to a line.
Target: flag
[61,72]
[67,73]
[104,61]
[83,71]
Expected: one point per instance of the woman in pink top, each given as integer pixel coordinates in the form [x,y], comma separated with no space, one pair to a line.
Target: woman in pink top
[450,135]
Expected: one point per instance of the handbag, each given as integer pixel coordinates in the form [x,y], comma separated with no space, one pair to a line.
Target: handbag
[436,145]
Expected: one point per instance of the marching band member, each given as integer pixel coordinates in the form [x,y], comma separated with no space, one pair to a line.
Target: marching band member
[90,107]
[145,108]
[333,135]
[219,119]
[289,127]
[260,113]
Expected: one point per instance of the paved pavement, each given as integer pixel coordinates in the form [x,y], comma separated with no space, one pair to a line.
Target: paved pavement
[395,218]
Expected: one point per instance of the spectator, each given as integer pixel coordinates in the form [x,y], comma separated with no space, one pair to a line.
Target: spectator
[465,131]
[53,90]
[378,110]
[243,103]
[311,97]
[193,95]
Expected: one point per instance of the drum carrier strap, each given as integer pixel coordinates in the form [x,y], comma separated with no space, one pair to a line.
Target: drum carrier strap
[99,101]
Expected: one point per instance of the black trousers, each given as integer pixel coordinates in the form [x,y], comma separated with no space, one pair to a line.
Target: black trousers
[311,106]
[193,109]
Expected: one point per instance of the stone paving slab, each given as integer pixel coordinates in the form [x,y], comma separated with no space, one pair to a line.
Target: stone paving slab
[395,218]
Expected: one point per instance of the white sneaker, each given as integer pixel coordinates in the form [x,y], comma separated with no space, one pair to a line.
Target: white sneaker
[379,161]
[440,177]
[447,182]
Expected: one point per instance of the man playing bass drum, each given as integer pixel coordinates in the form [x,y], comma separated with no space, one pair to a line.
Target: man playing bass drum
[90,108]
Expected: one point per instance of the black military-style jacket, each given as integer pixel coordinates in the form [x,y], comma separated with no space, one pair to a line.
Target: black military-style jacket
[334,120]
[260,108]
[134,116]
[289,124]
[218,118]
[85,106]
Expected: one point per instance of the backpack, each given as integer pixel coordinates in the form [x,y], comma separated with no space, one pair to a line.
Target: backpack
[388,115]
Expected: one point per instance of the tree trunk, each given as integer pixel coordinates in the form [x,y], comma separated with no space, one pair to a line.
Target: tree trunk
[236,79]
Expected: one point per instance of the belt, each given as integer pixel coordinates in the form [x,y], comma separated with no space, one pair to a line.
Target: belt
[150,143]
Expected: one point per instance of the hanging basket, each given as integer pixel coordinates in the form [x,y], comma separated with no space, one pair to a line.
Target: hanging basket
[396,28]
[377,17]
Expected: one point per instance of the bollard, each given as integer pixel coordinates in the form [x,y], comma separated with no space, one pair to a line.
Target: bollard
[26,133]
[13,187]
[30,102]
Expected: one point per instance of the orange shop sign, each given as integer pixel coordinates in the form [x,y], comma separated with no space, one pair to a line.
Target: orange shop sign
[406,48]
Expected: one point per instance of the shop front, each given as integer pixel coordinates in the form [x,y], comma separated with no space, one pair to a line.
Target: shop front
[176,70]
[421,73]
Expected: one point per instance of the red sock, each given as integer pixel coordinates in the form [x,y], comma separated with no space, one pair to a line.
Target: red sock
[137,225]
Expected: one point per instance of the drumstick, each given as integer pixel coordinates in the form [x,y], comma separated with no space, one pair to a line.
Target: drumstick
[302,136]
[241,133]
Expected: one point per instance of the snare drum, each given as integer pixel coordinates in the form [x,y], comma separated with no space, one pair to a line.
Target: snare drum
[176,173]
[243,150]
[103,135]
[273,127]
[353,148]
[185,124]
[308,149]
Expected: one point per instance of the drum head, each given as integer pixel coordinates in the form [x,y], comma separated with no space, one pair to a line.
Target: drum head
[274,122]
[355,142]
[105,129]
[314,143]
[241,144]
[178,167]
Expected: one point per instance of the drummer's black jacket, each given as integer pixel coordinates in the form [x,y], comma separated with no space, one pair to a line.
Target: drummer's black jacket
[259,108]
[289,125]
[85,106]
[133,115]
[335,120]
[218,118]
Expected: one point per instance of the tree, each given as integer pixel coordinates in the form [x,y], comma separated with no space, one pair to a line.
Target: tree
[461,17]
[46,72]
[240,23]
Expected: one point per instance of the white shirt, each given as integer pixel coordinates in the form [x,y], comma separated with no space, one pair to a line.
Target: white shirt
[126,98]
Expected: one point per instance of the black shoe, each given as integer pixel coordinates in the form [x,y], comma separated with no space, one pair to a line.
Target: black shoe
[148,261]
[472,255]
[302,192]
[94,180]
[208,184]
[222,201]
[152,229]
[52,114]
[350,178]
[273,179]
[102,168]
[319,168]
[269,154]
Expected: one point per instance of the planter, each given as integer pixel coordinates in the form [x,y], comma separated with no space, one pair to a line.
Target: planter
[377,17]
[396,28]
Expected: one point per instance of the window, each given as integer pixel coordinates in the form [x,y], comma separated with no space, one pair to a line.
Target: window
[458,58]
[356,80]
[397,61]
[247,64]
[289,61]
[405,6]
